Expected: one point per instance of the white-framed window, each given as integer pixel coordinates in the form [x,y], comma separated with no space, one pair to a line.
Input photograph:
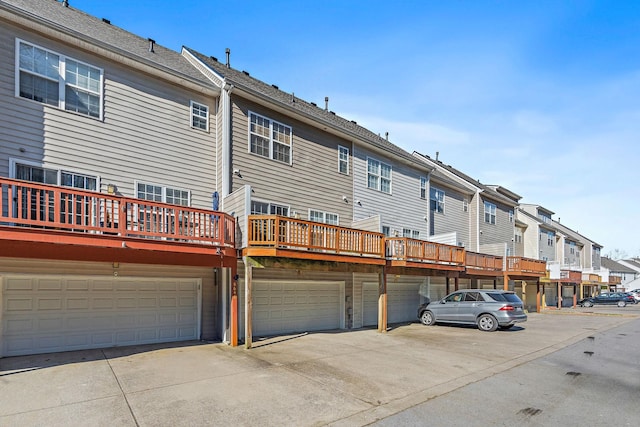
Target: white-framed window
[550,238]
[343,160]
[54,79]
[386,230]
[267,208]
[414,234]
[489,213]
[572,248]
[423,187]
[199,116]
[378,175]
[465,205]
[511,215]
[160,193]
[437,200]
[34,172]
[270,139]
[324,217]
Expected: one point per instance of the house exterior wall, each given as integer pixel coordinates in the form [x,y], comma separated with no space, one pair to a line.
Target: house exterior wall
[500,232]
[403,208]
[145,133]
[311,181]
[454,218]
[547,251]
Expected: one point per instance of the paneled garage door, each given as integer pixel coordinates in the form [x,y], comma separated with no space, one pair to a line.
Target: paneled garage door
[42,314]
[281,307]
[403,300]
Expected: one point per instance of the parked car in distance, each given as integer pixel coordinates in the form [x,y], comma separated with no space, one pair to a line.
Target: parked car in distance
[635,294]
[489,309]
[620,299]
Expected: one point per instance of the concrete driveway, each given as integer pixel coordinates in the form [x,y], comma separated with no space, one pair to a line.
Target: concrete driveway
[341,378]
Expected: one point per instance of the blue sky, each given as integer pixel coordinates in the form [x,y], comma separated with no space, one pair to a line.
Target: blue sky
[541,97]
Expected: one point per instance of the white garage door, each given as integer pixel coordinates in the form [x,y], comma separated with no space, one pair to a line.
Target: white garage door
[59,313]
[281,307]
[403,300]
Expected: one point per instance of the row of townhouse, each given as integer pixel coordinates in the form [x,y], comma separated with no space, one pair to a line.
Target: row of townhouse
[151,196]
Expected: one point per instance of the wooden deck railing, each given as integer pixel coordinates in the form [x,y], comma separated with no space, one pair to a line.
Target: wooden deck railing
[525,265]
[477,261]
[570,276]
[47,207]
[421,251]
[615,280]
[281,232]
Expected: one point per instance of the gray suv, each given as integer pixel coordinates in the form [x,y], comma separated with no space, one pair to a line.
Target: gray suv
[490,309]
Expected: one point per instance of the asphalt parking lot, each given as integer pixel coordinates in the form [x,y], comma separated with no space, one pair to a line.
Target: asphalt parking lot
[333,378]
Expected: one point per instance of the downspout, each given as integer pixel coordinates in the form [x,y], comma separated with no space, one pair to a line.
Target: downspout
[226,140]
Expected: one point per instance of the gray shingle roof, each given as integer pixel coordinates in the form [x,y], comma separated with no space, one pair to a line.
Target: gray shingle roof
[485,189]
[272,94]
[95,31]
[615,266]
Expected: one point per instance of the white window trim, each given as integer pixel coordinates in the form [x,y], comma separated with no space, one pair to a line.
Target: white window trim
[424,186]
[271,141]
[193,103]
[283,205]
[324,216]
[379,175]
[164,191]
[438,202]
[61,80]
[340,160]
[491,215]
[13,162]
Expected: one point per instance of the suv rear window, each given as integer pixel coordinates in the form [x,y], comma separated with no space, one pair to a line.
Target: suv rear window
[507,297]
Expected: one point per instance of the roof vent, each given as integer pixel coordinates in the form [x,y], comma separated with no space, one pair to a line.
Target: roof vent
[314,104]
[437,154]
[354,122]
[227,51]
[275,87]
[326,103]
[214,58]
[106,21]
[152,43]
[386,136]
[293,97]
[65,3]
[246,73]
[332,112]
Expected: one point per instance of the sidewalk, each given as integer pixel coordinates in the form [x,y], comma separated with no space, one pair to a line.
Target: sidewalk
[337,378]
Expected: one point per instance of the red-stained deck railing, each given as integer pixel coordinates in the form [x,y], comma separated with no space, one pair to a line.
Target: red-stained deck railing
[515,264]
[570,276]
[32,205]
[279,232]
[484,262]
[421,251]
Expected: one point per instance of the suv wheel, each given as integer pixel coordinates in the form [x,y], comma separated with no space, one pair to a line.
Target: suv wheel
[487,323]
[426,318]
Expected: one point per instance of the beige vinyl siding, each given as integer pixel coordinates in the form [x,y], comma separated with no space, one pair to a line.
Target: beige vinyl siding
[145,135]
[547,252]
[210,329]
[370,224]
[312,181]
[454,218]
[403,208]
[476,219]
[234,204]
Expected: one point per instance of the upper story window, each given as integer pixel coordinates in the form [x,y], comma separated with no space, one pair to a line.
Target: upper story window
[511,215]
[572,248]
[437,200]
[489,213]
[270,139]
[266,208]
[199,116]
[325,217]
[386,230]
[378,175]
[465,205]
[423,187]
[550,238]
[545,218]
[159,193]
[54,79]
[343,160]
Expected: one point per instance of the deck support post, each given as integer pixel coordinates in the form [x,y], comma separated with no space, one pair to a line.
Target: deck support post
[248,303]
[382,301]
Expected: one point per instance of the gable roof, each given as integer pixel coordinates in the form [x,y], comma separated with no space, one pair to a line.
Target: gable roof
[272,96]
[615,265]
[90,33]
[485,190]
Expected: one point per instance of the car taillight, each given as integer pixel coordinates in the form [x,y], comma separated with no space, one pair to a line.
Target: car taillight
[507,308]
